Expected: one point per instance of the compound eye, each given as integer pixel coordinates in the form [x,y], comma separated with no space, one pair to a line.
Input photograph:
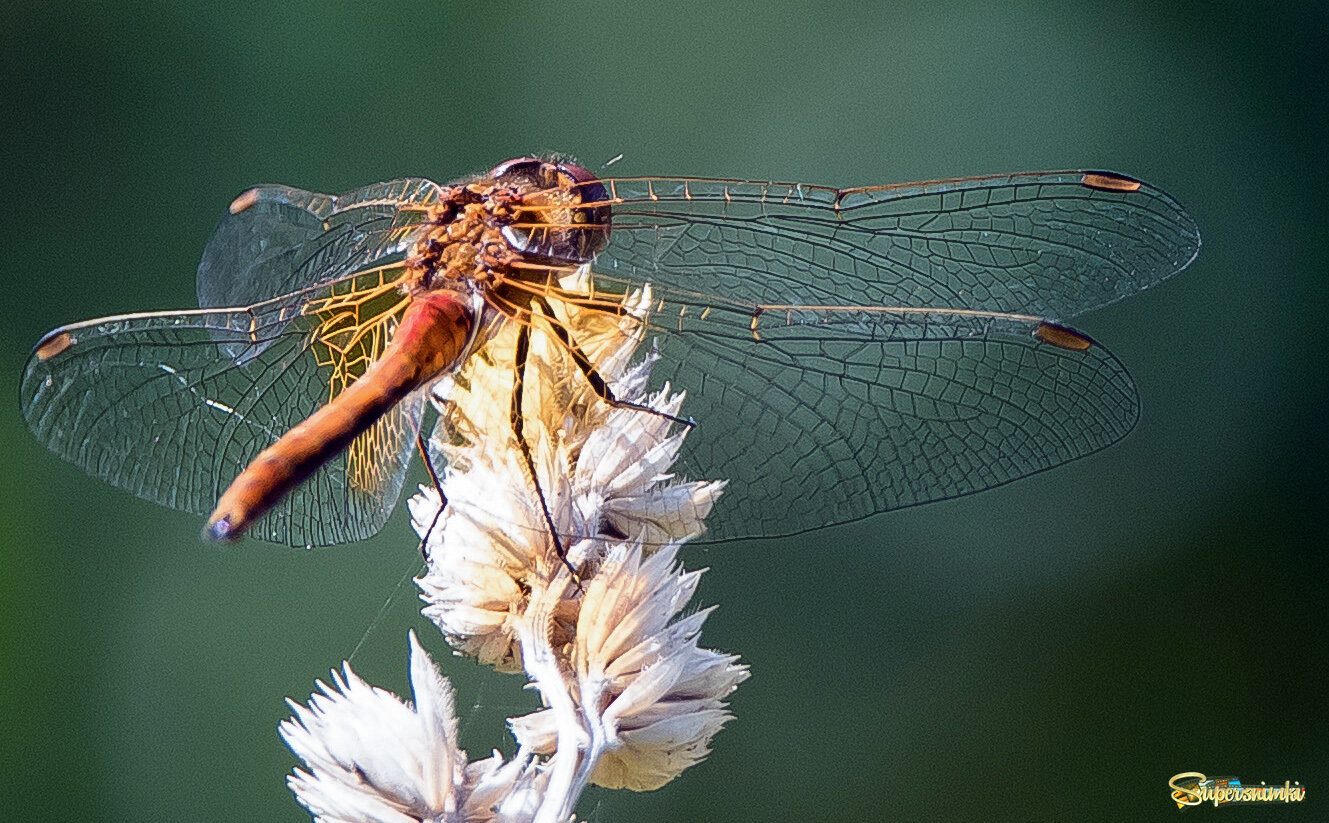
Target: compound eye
[587,184]
[591,217]
[551,221]
[525,168]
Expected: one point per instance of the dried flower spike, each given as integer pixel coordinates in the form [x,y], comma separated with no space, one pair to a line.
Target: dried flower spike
[631,700]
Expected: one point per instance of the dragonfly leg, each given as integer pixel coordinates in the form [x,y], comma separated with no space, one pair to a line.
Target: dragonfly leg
[518,429]
[442,498]
[592,375]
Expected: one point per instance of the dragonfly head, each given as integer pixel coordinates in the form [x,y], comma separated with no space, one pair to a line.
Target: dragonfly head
[561,210]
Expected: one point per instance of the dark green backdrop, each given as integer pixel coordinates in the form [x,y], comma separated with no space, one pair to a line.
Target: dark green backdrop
[1056,649]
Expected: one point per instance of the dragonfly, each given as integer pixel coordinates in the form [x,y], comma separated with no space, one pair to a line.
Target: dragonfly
[846,351]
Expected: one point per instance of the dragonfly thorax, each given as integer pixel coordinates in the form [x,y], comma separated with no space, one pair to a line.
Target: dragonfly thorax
[527,221]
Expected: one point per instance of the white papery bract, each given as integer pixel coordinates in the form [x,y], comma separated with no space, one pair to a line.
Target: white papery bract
[663,697]
[371,757]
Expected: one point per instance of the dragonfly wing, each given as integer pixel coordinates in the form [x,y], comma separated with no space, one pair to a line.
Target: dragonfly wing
[276,240]
[1052,244]
[172,406]
[852,351]
[829,417]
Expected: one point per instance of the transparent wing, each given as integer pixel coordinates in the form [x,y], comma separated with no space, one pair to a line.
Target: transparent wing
[1052,244]
[171,406]
[830,416]
[848,352]
[275,240]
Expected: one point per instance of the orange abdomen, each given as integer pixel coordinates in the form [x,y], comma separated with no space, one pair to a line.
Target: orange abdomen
[431,338]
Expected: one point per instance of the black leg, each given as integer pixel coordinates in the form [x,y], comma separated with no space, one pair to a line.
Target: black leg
[518,429]
[442,499]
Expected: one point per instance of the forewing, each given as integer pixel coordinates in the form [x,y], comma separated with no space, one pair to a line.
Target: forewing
[172,406]
[1052,244]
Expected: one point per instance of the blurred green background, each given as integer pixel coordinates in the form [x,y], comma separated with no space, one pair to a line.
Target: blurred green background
[1055,649]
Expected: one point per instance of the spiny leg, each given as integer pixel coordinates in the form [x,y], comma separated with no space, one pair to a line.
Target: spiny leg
[518,429]
[592,375]
[442,498]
